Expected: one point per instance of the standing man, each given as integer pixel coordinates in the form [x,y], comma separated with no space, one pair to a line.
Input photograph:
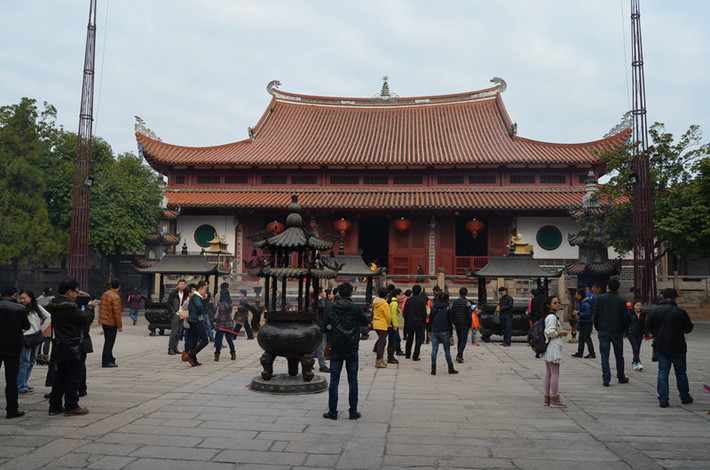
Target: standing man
[243,313]
[13,322]
[585,322]
[505,305]
[69,322]
[611,318]
[175,300]
[414,314]
[342,323]
[669,323]
[461,312]
[198,310]
[110,320]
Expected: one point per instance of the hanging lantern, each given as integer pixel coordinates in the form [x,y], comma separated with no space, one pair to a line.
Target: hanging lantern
[475,227]
[275,227]
[342,226]
[402,224]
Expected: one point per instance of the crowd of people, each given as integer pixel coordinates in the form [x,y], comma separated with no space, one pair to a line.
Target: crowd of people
[29,324]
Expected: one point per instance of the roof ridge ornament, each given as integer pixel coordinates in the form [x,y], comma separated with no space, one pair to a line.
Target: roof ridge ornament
[385,94]
[143,129]
[500,83]
[626,123]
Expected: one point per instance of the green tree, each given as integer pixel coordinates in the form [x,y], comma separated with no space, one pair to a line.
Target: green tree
[124,205]
[25,228]
[677,170]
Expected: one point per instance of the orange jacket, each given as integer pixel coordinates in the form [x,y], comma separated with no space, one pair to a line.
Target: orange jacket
[111,307]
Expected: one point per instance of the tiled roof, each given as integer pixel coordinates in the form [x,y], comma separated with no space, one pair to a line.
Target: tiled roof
[386,198]
[466,129]
[514,266]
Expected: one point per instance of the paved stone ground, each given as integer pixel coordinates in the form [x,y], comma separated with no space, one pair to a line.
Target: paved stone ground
[156,412]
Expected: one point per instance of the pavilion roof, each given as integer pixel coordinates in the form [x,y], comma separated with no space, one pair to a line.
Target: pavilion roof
[514,266]
[465,129]
[181,264]
[386,197]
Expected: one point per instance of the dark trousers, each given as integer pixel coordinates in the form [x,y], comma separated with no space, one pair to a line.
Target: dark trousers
[66,384]
[350,358]
[175,333]
[199,338]
[506,323]
[411,332]
[635,346]
[12,368]
[606,340]
[247,328]
[109,341]
[462,338]
[585,337]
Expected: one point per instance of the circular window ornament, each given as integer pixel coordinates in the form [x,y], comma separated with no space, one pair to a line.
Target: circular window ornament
[549,237]
[204,234]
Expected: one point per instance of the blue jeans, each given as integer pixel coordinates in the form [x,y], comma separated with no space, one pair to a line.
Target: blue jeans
[681,378]
[27,362]
[319,353]
[336,365]
[133,313]
[606,340]
[218,340]
[208,327]
[443,338]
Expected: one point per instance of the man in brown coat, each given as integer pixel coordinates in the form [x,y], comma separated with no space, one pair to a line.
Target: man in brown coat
[110,319]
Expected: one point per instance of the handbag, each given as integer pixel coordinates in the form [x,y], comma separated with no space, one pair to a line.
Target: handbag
[496,316]
[67,349]
[33,339]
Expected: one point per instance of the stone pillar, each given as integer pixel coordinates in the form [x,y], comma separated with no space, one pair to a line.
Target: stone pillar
[432,246]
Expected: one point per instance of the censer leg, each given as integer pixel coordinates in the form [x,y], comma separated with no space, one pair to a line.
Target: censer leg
[267,362]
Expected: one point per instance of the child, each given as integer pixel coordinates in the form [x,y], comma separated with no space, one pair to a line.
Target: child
[475,323]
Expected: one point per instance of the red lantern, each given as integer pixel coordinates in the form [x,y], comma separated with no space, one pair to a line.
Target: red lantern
[342,226]
[275,227]
[402,224]
[475,227]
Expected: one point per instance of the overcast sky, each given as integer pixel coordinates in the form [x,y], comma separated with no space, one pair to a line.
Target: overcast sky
[196,70]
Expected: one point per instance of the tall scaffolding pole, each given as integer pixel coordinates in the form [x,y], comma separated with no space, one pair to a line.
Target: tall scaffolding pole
[644,252]
[78,263]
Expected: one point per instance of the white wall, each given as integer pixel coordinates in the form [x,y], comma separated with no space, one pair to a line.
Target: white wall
[187,224]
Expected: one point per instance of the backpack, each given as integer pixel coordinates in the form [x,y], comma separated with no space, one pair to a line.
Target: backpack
[536,338]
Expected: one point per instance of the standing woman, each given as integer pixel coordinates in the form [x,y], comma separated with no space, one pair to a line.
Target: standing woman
[134,304]
[441,330]
[40,320]
[636,332]
[223,321]
[553,356]
[381,321]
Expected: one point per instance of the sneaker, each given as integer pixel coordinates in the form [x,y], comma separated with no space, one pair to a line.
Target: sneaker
[639,366]
[634,366]
[25,392]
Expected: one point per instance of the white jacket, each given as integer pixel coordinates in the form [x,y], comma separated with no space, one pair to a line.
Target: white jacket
[552,327]
[39,321]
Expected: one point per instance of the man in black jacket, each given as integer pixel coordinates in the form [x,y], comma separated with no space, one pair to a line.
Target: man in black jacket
[13,322]
[342,322]
[68,322]
[414,314]
[505,304]
[611,319]
[668,324]
[461,312]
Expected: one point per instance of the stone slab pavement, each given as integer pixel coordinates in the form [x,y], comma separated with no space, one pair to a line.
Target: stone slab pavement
[156,412]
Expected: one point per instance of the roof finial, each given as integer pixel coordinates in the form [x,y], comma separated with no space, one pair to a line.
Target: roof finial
[385,94]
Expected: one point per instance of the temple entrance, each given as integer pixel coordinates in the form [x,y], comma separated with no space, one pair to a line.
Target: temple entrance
[373,240]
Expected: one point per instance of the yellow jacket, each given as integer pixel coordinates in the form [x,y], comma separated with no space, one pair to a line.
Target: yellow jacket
[394,312]
[380,314]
